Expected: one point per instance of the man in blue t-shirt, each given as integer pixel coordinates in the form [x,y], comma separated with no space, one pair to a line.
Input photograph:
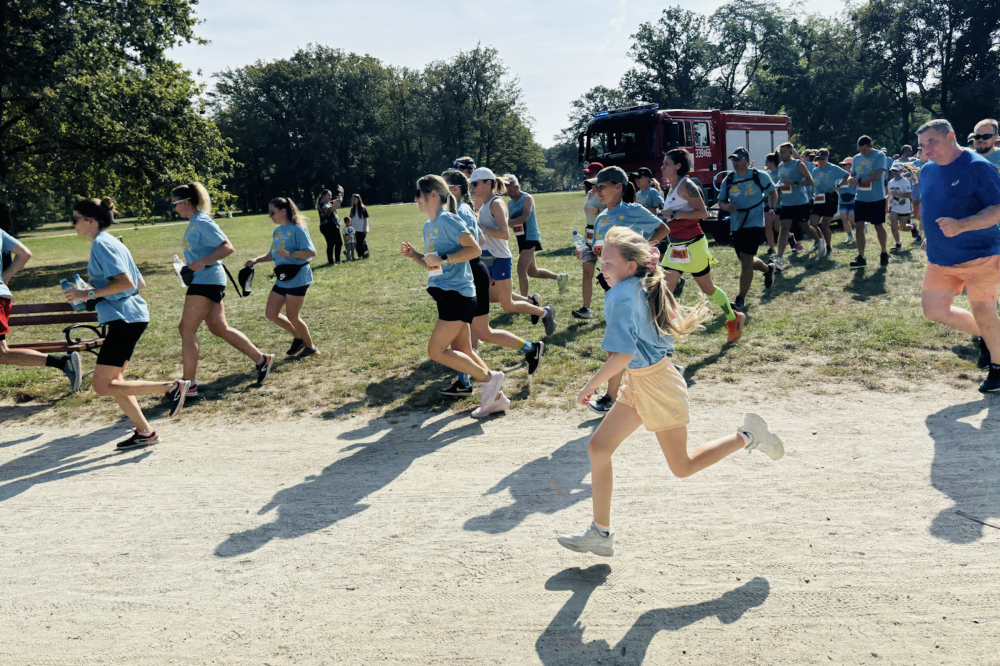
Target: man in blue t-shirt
[868,170]
[961,211]
[985,138]
[743,195]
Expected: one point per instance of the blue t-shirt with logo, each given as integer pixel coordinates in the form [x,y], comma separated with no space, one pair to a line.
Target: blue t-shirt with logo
[515,208]
[773,175]
[865,166]
[959,190]
[649,197]
[469,217]
[630,326]
[441,235]
[631,215]
[799,195]
[293,238]
[827,178]
[7,243]
[749,199]
[109,257]
[201,238]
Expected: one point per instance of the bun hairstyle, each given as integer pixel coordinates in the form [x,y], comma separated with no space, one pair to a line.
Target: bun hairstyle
[291,210]
[195,193]
[319,199]
[682,159]
[96,209]
[773,158]
[669,317]
[456,178]
[431,183]
[108,203]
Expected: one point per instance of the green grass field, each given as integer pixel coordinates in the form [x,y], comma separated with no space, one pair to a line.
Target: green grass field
[822,326]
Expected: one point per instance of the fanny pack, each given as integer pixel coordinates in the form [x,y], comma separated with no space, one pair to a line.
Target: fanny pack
[246,280]
[286,272]
[187,276]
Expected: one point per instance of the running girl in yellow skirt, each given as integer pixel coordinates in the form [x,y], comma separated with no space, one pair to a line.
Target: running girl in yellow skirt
[642,316]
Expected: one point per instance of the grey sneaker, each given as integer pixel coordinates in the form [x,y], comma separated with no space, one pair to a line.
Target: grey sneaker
[264,368]
[583,313]
[589,541]
[490,389]
[74,373]
[549,319]
[761,438]
[563,281]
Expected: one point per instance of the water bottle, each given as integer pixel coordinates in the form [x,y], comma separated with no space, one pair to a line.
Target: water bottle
[78,281]
[78,306]
[178,265]
[578,241]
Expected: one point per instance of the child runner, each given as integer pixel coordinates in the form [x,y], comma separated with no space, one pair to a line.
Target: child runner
[900,208]
[592,206]
[521,209]
[291,251]
[68,363]
[116,283]
[205,246]
[643,318]
[847,193]
[449,246]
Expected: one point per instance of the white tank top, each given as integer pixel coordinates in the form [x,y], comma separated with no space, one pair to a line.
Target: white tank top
[495,246]
[675,202]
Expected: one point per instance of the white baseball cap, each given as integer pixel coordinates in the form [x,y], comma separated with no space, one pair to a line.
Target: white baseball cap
[482,173]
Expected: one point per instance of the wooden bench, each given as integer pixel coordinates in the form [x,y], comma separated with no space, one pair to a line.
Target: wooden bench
[47,314]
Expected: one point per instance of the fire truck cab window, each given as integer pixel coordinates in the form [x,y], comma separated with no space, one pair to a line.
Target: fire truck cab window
[629,141]
[701,134]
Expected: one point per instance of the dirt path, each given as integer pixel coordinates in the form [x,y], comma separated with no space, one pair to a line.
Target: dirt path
[423,539]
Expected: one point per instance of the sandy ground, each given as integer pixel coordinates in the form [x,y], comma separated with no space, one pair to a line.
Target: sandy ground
[429,538]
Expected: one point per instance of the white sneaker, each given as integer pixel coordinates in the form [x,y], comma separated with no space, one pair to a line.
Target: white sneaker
[501,404]
[490,389]
[761,438]
[779,264]
[820,247]
[589,541]
[563,281]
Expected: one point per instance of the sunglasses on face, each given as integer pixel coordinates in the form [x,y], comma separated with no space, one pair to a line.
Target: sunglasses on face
[76,219]
[173,204]
[271,213]
[419,193]
[983,137]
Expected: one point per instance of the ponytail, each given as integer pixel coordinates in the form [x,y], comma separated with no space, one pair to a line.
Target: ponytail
[196,193]
[499,186]
[319,199]
[432,183]
[96,209]
[457,179]
[291,210]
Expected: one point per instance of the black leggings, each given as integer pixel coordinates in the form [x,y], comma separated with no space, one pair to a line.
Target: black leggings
[334,241]
[359,237]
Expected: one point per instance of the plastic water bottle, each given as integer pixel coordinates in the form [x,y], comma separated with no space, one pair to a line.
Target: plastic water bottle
[78,306]
[178,265]
[79,282]
[578,241]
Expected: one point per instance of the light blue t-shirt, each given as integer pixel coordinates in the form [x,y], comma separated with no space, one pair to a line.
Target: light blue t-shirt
[865,167]
[441,235]
[993,158]
[749,199]
[649,197]
[827,178]
[630,327]
[515,209]
[773,175]
[631,215]
[293,238]
[201,238]
[798,196]
[469,217]
[7,243]
[109,257]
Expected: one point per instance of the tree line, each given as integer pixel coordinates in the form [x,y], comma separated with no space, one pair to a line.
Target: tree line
[880,68]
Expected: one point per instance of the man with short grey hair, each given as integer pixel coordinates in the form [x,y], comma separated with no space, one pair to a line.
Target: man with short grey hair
[961,213]
[985,138]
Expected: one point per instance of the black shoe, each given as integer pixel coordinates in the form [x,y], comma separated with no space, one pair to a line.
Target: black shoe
[457,390]
[177,395]
[884,259]
[535,357]
[264,368]
[679,289]
[769,276]
[897,247]
[297,345]
[583,313]
[992,382]
[770,251]
[136,441]
[860,262]
[739,305]
[984,355]
[918,239]
[308,351]
[602,405]
[537,300]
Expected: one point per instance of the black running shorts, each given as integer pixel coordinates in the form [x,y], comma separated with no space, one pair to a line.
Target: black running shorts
[119,343]
[453,306]
[870,211]
[481,277]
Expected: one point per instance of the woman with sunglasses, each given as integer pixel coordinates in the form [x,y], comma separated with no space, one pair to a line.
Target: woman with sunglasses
[205,246]
[291,251]
[115,289]
[448,248]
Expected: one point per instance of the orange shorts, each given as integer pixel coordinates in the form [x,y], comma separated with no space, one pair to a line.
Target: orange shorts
[658,393]
[979,277]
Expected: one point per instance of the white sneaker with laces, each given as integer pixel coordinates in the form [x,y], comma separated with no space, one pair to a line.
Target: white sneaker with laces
[779,264]
[490,389]
[563,281]
[761,439]
[820,247]
[589,541]
[501,404]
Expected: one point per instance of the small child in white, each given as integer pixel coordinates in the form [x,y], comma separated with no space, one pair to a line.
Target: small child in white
[350,242]
[641,316]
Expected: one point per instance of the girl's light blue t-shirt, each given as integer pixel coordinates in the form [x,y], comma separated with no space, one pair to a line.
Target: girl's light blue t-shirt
[649,197]
[109,257]
[630,326]
[7,243]
[516,208]
[293,238]
[469,217]
[201,238]
[631,215]
[441,235]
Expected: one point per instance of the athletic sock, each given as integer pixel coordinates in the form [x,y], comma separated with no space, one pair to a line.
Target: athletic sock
[463,379]
[526,347]
[54,361]
[720,299]
[602,530]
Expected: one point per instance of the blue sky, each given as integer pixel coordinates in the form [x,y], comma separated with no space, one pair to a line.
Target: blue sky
[559,49]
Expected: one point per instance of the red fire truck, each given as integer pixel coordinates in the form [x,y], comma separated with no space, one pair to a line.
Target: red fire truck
[639,136]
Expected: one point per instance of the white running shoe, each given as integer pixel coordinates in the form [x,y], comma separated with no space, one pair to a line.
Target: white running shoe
[761,438]
[490,389]
[779,264]
[820,248]
[563,281]
[501,404]
[589,541]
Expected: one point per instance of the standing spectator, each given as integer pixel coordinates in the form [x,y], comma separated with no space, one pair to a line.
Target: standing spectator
[359,220]
[109,204]
[329,223]
[985,138]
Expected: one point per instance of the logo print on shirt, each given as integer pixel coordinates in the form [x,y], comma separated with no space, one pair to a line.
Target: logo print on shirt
[956,183]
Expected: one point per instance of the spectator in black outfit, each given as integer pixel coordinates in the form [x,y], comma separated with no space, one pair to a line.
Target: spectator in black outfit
[359,220]
[329,223]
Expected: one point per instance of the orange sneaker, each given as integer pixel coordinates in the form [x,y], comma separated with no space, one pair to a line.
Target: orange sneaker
[735,327]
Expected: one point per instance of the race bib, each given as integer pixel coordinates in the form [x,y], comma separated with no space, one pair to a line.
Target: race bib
[820,198]
[431,272]
[787,189]
[590,236]
[864,188]
[518,229]
[679,255]
[598,247]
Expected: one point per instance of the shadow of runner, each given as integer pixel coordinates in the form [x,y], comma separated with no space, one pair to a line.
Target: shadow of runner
[865,286]
[966,468]
[544,485]
[561,644]
[339,491]
[62,458]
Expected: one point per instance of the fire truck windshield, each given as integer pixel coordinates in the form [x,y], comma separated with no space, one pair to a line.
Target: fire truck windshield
[624,138]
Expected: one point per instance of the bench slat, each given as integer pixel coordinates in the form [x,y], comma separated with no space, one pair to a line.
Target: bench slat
[44,320]
[55,346]
[38,308]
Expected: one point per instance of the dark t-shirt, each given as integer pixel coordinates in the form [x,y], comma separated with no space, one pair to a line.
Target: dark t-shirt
[958,190]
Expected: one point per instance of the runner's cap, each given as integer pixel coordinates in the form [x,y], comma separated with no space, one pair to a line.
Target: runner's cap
[645,172]
[593,169]
[482,173]
[740,154]
[611,174]
[847,160]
